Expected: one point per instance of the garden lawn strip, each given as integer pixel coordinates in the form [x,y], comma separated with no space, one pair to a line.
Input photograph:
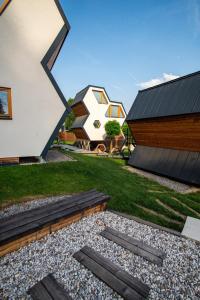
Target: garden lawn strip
[193,206]
[179,206]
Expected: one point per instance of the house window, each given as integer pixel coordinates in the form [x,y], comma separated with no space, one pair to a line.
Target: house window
[99,95]
[5,104]
[3,4]
[115,111]
[97,124]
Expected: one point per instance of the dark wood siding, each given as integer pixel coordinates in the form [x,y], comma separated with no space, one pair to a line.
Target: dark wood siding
[177,132]
[80,134]
[9,160]
[79,109]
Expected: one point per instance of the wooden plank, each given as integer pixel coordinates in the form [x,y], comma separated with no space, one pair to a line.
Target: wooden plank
[135,242]
[54,288]
[39,214]
[38,292]
[45,208]
[110,279]
[34,211]
[75,209]
[65,222]
[30,227]
[134,248]
[133,282]
[48,289]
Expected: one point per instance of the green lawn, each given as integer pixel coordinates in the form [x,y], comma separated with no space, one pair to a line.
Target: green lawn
[130,193]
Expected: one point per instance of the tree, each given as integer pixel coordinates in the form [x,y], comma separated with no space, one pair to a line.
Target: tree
[127,133]
[2,112]
[125,129]
[71,117]
[112,129]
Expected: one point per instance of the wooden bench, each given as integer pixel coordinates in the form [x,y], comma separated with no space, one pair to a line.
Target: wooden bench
[20,229]
[48,289]
[137,247]
[123,283]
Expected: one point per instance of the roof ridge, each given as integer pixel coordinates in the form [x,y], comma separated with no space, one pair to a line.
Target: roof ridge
[171,81]
[82,90]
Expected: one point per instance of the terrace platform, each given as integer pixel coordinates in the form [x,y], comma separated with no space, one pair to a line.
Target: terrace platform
[23,228]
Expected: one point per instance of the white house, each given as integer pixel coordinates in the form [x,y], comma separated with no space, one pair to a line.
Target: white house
[93,108]
[32,107]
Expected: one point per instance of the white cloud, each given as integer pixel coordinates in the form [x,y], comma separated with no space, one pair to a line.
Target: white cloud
[155,81]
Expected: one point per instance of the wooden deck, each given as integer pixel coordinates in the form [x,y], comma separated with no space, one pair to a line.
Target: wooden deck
[123,283]
[47,289]
[137,247]
[20,229]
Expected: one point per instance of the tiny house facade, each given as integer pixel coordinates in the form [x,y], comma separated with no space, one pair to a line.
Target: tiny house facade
[165,123]
[93,109]
[32,107]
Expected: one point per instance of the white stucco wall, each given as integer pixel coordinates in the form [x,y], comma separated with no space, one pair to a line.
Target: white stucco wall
[98,112]
[27,30]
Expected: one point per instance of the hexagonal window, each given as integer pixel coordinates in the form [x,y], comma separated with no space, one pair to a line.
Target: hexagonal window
[97,124]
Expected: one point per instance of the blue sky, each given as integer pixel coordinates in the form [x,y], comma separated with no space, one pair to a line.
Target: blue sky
[123,45]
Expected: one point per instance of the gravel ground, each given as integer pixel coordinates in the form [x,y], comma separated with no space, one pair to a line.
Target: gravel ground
[57,156]
[171,184]
[178,278]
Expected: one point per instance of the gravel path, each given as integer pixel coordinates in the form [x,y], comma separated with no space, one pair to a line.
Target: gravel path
[178,278]
[57,156]
[171,184]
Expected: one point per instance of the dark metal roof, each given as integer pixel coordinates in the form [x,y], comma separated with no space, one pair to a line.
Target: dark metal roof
[80,96]
[79,122]
[175,97]
[180,165]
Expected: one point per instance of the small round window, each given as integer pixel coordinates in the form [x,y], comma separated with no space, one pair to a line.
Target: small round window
[97,124]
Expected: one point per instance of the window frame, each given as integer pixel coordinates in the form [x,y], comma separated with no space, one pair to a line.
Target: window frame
[102,93]
[7,116]
[119,111]
[99,124]
[4,5]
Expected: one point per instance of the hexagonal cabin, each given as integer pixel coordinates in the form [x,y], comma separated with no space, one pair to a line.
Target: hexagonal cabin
[165,123]
[32,107]
[93,108]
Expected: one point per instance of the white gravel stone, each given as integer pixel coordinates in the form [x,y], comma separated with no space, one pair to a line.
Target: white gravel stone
[178,278]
